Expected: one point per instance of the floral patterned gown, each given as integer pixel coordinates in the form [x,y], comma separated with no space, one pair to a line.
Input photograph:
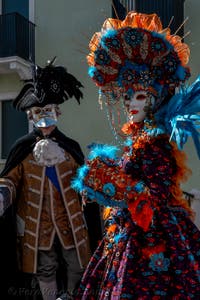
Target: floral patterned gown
[150,248]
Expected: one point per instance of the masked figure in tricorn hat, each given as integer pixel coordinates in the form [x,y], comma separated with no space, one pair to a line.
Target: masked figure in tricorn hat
[150,249]
[36,179]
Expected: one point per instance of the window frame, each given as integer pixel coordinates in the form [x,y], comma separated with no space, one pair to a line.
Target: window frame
[8,97]
[4,97]
[31,10]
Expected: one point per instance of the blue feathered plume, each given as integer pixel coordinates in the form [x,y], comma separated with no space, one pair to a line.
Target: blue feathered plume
[103,151]
[77,183]
[180,117]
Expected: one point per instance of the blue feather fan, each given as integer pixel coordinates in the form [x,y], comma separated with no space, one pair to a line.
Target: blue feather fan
[180,117]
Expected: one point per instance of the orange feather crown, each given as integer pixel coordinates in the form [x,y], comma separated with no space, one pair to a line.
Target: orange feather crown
[137,52]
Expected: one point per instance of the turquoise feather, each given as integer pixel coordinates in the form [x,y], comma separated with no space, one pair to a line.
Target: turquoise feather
[180,116]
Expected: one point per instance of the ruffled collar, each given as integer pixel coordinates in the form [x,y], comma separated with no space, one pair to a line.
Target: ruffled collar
[48,153]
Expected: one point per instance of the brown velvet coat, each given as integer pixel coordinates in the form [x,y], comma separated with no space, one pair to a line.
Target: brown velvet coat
[42,211]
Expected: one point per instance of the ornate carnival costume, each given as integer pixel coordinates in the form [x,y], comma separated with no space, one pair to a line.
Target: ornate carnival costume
[38,174]
[150,249]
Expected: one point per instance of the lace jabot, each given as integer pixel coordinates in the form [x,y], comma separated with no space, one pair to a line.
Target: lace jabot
[48,153]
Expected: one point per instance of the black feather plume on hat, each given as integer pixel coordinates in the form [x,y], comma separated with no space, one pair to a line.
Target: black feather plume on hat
[50,85]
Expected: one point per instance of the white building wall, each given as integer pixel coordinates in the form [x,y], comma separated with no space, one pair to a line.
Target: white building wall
[64,29]
[192,9]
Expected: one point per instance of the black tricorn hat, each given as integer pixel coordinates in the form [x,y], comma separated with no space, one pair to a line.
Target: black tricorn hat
[50,85]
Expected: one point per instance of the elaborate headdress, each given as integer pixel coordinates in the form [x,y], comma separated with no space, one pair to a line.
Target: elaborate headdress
[50,85]
[137,52]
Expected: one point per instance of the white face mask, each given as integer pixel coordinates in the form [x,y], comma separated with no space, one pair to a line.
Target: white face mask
[44,116]
[135,105]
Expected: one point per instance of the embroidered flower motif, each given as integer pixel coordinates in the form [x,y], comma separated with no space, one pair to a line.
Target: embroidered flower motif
[129,188]
[133,37]
[131,75]
[145,78]
[139,187]
[170,63]
[156,72]
[55,86]
[101,57]
[112,43]
[109,189]
[157,46]
[159,262]
[160,293]
[127,77]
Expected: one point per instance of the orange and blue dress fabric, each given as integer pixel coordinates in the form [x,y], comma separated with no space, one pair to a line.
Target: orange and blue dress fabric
[150,248]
